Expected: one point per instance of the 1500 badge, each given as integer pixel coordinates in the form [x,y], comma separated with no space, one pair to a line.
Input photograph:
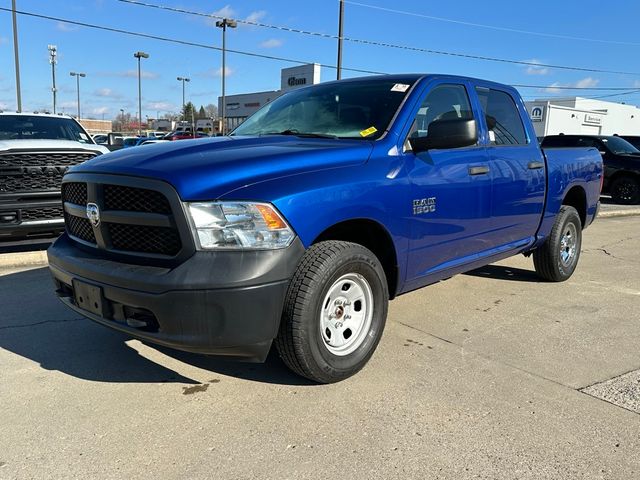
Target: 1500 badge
[424,205]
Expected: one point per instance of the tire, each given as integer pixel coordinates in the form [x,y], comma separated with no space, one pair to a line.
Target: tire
[334,312]
[556,260]
[625,190]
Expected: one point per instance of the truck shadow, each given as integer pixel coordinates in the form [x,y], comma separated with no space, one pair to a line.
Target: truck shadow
[501,272]
[35,325]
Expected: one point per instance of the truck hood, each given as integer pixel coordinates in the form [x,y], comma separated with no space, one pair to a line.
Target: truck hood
[49,144]
[209,168]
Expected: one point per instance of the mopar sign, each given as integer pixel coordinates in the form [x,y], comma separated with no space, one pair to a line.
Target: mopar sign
[537,114]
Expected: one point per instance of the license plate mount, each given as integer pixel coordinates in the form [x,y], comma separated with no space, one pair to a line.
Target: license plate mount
[89,297]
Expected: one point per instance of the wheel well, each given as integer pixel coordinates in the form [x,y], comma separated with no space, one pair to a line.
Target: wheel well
[623,173]
[577,198]
[373,236]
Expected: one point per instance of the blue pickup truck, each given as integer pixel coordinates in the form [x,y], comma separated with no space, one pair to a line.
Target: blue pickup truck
[300,226]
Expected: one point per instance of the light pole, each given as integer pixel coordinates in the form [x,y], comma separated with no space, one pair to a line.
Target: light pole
[78,75]
[183,79]
[53,53]
[122,120]
[223,24]
[140,55]
[340,38]
[15,53]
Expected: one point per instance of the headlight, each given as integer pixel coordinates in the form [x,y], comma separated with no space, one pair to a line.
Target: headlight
[238,225]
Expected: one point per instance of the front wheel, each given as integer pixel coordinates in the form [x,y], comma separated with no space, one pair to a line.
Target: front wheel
[557,259]
[334,313]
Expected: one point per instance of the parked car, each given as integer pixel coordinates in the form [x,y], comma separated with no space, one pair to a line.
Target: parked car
[183,136]
[633,140]
[621,163]
[35,151]
[300,226]
[100,138]
[130,142]
[153,141]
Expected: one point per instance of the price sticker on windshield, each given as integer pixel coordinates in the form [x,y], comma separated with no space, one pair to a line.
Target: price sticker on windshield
[368,131]
[400,87]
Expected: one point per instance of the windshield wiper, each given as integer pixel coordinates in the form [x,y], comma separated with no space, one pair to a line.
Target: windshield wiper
[296,133]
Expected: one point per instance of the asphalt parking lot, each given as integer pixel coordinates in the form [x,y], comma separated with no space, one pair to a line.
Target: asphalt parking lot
[490,375]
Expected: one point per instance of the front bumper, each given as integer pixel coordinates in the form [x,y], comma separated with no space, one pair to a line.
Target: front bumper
[220,303]
[29,218]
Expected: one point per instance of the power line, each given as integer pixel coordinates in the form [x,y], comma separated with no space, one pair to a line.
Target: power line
[380,44]
[491,27]
[590,97]
[258,55]
[181,42]
[558,87]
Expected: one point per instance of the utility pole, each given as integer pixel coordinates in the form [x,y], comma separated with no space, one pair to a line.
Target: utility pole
[78,75]
[53,52]
[15,52]
[140,55]
[183,79]
[340,38]
[223,24]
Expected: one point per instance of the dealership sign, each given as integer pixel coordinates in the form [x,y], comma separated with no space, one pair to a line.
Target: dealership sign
[591,119]
[537,113]
[295,77]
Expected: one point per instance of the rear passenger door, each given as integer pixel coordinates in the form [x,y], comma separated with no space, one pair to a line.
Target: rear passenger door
[517,169]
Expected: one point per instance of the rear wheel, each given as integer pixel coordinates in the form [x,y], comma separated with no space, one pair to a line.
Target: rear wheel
[557,259]
[334,313]
[625,190]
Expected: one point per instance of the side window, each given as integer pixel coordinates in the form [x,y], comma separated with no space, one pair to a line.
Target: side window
[503,119]
[444,102]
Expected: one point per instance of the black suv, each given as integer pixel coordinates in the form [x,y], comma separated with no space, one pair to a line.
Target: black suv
[621,163]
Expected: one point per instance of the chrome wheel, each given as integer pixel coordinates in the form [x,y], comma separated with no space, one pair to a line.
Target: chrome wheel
[568,245]
[346,314]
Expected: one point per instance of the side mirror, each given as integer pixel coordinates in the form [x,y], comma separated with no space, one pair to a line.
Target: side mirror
[456,133]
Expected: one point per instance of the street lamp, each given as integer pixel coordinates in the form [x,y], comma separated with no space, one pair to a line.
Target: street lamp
[78,75]
[223,24]
[140,55]
[122,119]
[183,79]
[53,53]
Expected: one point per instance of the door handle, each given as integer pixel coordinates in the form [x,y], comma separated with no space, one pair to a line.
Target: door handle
[535,165]
[478,170]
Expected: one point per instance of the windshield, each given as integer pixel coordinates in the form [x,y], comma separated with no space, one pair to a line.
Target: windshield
[354,109]
[619,145]
[27,127]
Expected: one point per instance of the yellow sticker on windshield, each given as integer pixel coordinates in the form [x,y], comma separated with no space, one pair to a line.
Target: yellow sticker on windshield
[368,131]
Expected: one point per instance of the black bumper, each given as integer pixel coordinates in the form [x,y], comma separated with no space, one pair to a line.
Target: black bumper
[30,217]
[219,303]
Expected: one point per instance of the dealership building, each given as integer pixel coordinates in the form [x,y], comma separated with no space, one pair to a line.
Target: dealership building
[239,107]
[587,116]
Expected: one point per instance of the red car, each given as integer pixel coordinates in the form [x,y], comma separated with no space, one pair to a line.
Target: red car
[183,136]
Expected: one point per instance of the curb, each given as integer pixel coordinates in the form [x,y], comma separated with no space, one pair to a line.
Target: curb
[23,259]
[619,213]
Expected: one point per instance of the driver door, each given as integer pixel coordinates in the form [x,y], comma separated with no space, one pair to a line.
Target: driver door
[451,191]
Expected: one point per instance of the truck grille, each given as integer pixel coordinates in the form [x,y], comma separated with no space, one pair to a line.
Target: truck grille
[126,225]
[43,213]
[29,183]
[24,172]
[118,197]
[75,193]
[43,159]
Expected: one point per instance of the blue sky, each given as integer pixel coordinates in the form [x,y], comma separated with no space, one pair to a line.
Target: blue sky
[111,82]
